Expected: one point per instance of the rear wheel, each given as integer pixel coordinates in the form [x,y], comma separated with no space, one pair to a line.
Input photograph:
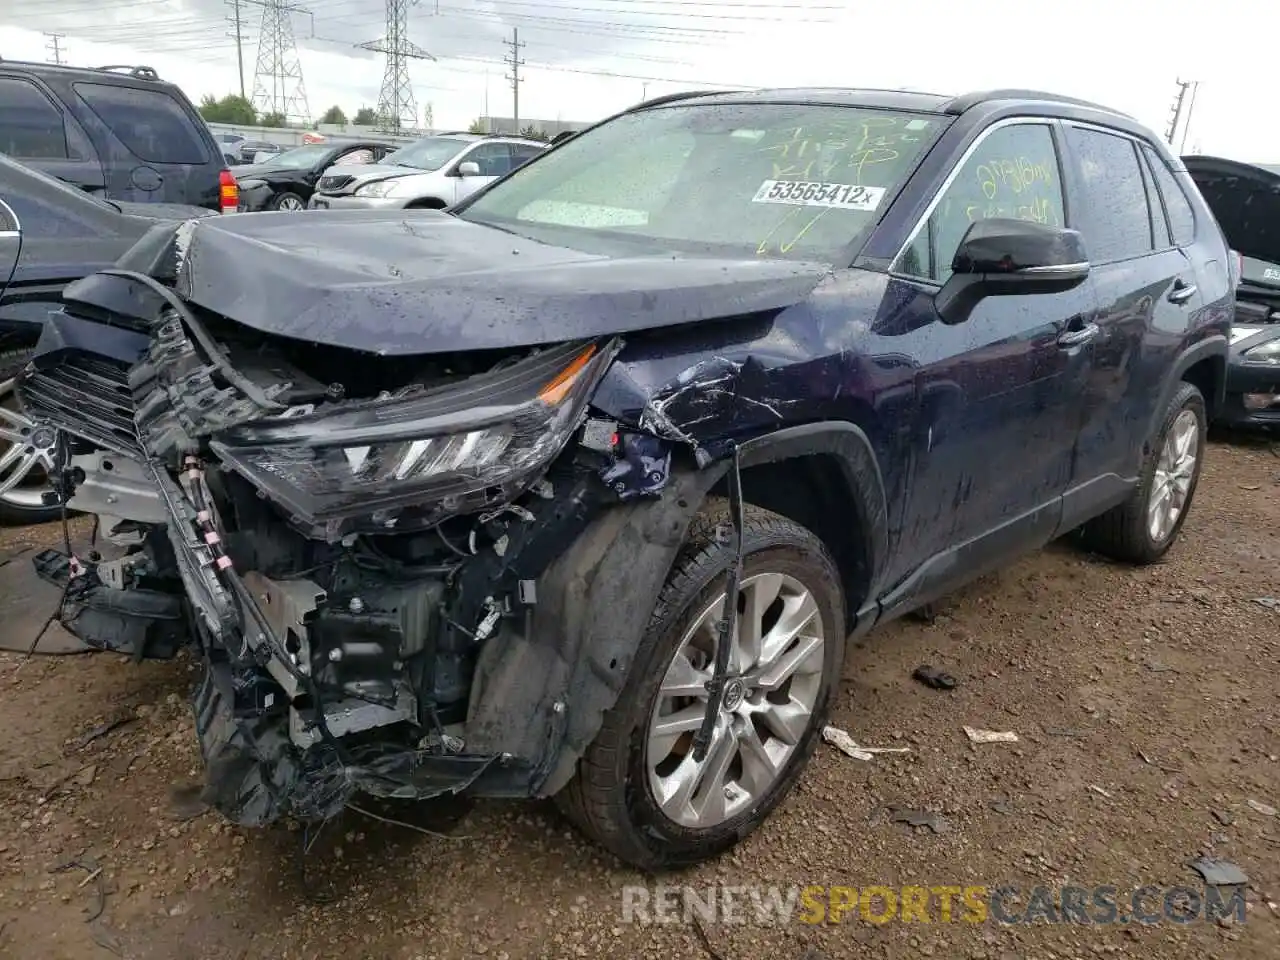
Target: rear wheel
[638,790]
[290,202]
[1142,528]
[27,451]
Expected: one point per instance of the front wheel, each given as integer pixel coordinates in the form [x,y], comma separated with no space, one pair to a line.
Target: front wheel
[27,453]
[638,790]
[1142,528]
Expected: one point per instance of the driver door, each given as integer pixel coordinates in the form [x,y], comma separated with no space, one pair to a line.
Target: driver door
[999,392]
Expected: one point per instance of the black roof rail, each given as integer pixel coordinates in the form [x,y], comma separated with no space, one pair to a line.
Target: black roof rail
[139,72]
[675,97]
[966,101]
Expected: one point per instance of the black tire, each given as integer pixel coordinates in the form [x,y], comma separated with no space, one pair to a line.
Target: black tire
[1122,533]
[12,514]
[281,198]
[609,798]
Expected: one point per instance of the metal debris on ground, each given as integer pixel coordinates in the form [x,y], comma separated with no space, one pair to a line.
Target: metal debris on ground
[1219,873]
[102,730]
[1265,809]
[1270,602]
[990,736]
[1223,817]
[845,744]
[933,677]
[920,818]
[1099,791]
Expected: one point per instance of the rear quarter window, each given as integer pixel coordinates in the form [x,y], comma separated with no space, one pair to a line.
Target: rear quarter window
[1182,220]
[151,123]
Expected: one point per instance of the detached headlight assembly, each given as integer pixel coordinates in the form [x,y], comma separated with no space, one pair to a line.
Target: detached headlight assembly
[1268,352]
[379,188]
[414,460]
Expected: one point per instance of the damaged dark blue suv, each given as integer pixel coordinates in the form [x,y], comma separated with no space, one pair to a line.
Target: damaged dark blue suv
[578,488]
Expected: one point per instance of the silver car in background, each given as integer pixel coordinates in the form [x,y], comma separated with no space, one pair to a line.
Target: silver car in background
[434,172]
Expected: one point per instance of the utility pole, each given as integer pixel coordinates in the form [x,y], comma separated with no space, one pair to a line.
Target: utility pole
[236,22]
[1175,117]
[396,100]
[54,48]
[515,63]
[1186,125]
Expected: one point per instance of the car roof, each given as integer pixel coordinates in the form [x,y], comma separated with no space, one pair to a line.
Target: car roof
[126,74]
[899,99]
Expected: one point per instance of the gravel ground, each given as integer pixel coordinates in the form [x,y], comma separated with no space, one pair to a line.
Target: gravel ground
[1145,702]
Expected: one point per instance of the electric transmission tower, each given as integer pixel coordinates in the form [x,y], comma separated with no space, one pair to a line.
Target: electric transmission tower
[395,100]
[1177,119]
[277,77]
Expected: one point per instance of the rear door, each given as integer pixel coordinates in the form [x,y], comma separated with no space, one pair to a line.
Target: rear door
[1147,294]
[35,129]
[158,150]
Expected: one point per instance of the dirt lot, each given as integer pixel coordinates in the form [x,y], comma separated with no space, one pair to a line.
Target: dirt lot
[1145,700]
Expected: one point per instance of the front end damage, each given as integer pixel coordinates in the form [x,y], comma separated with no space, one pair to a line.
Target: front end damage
[404,576]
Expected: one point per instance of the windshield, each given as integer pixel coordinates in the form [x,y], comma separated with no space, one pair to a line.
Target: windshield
[430,153]
[299,158]
[795,181]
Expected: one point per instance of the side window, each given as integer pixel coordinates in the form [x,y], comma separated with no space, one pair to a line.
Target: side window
[1182,219]
[44,220]
[151,123]
[1013,173]
[522,153]
[494,159]
[31,128]
[359,155]
[1113,201]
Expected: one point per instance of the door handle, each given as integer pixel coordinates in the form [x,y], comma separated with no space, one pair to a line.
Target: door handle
[1181,292]
[1073,338]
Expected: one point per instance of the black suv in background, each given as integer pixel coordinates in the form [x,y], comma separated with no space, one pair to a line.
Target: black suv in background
[120,133]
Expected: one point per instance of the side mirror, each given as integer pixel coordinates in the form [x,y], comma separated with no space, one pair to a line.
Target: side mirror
[1010,258]
[468,168]
[10,243]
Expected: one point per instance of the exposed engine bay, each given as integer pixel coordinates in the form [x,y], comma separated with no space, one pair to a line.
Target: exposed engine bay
[340,535]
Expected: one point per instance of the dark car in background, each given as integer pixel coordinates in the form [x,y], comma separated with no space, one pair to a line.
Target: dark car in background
[66,234]
[1245,200]
[229,143]
[287,180]
[578,488]
[249,150]
[119,132]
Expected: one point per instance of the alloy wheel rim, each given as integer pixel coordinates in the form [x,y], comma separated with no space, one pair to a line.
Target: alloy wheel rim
[27,451]
[774,680]
[290,203]
[1175,470]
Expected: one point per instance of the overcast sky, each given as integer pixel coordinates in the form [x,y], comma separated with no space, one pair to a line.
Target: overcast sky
[585,58]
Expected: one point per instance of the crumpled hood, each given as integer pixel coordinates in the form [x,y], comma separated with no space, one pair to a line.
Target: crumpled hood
[422,281]
[250,171]
[370,171]
[1245,200]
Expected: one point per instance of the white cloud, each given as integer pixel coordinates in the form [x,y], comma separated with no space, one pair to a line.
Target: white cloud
[1125,53]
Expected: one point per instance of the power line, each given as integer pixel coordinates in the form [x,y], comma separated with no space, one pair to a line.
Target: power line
[53,47]
[515,63]
[396,100]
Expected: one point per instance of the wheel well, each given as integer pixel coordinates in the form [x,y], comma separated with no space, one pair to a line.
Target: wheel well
[426,203]
[1208,376]
[812,491]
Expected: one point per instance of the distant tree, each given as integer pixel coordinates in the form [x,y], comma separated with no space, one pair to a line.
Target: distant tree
[273,119]
[334,115]
[365,117]
[230,109]
[533,133]
[478,126]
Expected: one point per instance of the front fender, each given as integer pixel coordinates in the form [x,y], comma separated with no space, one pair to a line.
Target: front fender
[540,691]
